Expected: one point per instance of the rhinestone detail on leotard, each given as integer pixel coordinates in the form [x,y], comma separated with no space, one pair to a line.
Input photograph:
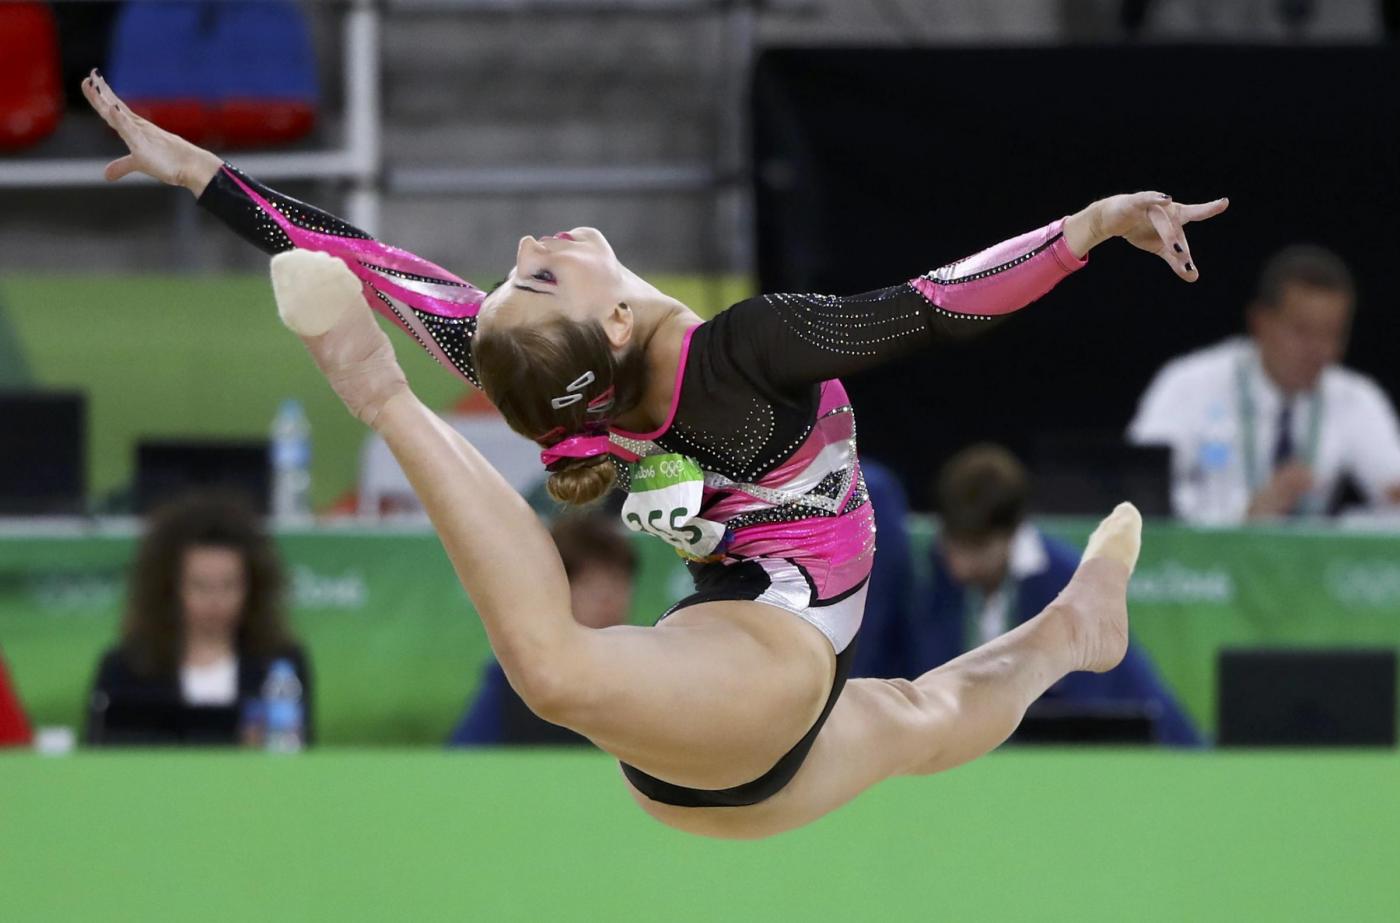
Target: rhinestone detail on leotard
[454,336]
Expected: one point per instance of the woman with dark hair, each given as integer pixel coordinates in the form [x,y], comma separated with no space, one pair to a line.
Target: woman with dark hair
[735,443]
[204,623]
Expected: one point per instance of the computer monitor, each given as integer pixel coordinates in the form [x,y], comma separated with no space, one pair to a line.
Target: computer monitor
[138,723]
[1306,697]
[43,453]
[1107,723]
[169,468]
[1076,474]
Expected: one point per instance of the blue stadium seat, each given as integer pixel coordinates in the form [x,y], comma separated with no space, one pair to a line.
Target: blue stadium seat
[226,74]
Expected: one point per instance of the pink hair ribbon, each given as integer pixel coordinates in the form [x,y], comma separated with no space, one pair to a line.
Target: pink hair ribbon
[590,443]
[581,446]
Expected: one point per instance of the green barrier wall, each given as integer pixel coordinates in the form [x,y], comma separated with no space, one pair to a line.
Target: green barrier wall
[165,356]
[1197,591]
[397,649]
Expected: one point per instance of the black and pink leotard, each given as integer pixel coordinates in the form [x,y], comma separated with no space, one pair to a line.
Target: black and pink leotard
[757,404]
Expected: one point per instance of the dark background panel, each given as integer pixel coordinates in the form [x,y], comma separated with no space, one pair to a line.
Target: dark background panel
[874,166]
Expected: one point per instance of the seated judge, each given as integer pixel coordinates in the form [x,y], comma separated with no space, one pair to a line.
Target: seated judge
[991,570]
[1268,426]
[205,621]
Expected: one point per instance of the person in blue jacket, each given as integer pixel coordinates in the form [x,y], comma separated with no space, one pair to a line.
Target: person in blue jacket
[884,646]
[990,571]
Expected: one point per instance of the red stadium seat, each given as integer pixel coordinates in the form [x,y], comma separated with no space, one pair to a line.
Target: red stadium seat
[248,123]
[31,95]
[14,726]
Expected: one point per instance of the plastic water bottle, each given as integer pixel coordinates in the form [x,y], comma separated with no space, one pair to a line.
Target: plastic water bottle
[291,463]
[283,710]
[1214,455]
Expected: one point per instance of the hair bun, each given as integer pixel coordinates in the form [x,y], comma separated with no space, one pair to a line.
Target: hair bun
[583,482]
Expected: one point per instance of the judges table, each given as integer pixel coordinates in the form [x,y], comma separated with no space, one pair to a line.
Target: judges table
[396,649]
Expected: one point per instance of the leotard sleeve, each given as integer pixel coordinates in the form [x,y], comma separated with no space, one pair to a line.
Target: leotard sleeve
[799,340]
[432,305]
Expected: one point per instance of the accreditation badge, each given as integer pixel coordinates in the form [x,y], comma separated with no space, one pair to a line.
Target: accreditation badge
[664,500]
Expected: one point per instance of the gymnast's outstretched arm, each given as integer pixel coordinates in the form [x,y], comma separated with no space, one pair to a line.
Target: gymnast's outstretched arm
[432,305]
[793,340]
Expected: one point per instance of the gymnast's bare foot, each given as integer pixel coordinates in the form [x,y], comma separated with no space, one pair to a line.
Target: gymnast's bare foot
[1096,599]
[320,300]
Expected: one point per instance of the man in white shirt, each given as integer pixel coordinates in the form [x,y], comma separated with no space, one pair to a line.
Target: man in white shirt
[1266,426]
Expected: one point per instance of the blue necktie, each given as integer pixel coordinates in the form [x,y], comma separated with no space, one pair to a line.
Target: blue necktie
[1283,448]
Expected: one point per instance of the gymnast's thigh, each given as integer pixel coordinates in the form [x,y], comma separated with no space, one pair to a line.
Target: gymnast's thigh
[878,728]
[711,697]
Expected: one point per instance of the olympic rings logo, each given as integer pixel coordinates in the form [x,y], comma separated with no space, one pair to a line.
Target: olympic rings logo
[671,468]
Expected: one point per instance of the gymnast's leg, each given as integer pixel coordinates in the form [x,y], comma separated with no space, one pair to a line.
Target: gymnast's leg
[710,699]
[955,713]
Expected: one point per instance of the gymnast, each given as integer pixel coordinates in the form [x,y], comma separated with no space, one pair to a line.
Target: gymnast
[734,441]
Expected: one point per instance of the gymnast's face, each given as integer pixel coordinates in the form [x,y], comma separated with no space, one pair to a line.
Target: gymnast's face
[573,274]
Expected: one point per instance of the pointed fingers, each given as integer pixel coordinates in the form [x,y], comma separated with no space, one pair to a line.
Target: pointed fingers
[1181,263]
[1175,250]
[1167,230]
[1188,213]
[110,102]
[103,102]
[89,91]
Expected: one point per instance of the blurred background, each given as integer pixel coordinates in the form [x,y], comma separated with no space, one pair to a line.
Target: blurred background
[199,548]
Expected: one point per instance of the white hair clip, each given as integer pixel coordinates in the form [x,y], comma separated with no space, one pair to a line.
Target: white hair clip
[573,397]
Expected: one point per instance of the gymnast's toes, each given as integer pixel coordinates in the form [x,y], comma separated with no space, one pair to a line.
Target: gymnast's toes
[1118,537]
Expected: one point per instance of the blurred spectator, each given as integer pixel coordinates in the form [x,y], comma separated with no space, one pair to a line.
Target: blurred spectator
[601,566]
[881,650]
[14,727]
[1267,425]
[204,624]
[991,571]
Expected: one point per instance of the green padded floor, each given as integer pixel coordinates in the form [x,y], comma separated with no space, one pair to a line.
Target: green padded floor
[396,835]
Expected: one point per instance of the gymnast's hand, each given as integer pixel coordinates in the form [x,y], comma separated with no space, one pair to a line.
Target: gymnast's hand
[1150,221]
[154,151]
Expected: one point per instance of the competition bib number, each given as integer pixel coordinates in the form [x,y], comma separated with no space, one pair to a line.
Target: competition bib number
[664,501]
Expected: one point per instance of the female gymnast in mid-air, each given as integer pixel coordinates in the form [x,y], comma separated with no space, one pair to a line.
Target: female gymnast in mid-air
[734,439]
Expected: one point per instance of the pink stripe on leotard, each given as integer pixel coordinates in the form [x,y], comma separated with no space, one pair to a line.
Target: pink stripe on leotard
[836,552]
[1003,278]
[825,430]
[433,290]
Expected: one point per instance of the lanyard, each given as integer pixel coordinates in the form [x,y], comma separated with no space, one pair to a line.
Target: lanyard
[1246,402]
[975,604]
